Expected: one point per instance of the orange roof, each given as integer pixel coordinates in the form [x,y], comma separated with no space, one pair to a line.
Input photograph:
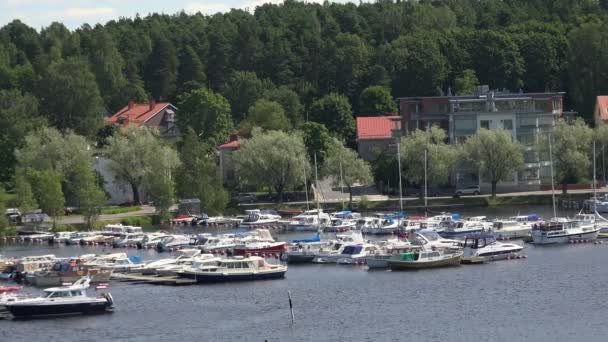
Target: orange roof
[138,113]
[602,105]
[376,127]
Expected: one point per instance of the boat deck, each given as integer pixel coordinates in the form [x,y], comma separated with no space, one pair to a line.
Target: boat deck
[138,278]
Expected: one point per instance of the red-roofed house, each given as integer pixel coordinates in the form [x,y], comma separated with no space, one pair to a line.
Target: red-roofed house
[226,158]
[375,134]
[601,110]
[160,115]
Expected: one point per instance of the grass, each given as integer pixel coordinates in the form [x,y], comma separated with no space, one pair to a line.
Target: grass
[139,221]
[120,210]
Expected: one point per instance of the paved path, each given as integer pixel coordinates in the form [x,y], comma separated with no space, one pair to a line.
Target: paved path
[76,219]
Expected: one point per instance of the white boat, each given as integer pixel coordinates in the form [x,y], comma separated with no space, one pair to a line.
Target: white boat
[382,225]
[180,255]
[425,258]
[563,230]
[77,237]
[127,239]
[309,221]
[345,215]
[486,246]
[237,269]
[355,253]
[597,204]
[117,262]
[387,250]
[67,300]
[430,238]
[438,222]
[186,264]
[151,240]
[171,242]
[462,228]
[256,217]
[341,225]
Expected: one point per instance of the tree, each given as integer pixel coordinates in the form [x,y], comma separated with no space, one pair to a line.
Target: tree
[272,159]
[497,60]
[495,154]
[376,100]
[206,112]
[465,83]
[198,175]
[345,167]
[47,190]
[160,181]
[69,97]
[268,115]
[440,156]
[191,73]
[88,195]
[242,89]
[571,147]
[5,229]
[290,101]
[161,70]
[23,192]
[334,111]
[317,140]
[107,64]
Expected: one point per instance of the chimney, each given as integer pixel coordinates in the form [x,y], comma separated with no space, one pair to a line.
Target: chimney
[131,104]
[152,103]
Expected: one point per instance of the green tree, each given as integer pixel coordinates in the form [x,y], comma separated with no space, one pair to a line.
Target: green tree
[441,157]
[334,111]
[465,83]
[47,190]
[191,73]
[242,89]
[376,100]
[69,97]
[206,112]
[346,168]
[290,101]
[88,195]
[317,140]
[23,192]
[161,70]
[5,229]
[495,154]
[107,64]
[272,159]
[497,60]
[198,175]
[571,151]
[268,115]
[160,180]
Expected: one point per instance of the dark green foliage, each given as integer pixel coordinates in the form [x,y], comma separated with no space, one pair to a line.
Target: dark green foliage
[335,113]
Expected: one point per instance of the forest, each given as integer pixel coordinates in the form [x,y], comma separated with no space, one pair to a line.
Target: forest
[309,61]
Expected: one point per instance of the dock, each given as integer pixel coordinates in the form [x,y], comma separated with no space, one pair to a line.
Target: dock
[138,278]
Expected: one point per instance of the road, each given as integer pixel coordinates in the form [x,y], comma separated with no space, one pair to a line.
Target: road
[77,219]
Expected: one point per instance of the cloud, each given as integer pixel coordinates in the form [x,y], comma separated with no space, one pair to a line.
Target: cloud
[91,12]
[195,7]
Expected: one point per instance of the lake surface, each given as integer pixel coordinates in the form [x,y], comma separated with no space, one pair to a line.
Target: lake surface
[556,294]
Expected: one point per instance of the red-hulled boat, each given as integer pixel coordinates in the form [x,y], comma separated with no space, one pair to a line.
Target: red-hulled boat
[10,289]
[260,247]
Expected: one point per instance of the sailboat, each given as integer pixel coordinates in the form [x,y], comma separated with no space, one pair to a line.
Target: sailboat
[561,229]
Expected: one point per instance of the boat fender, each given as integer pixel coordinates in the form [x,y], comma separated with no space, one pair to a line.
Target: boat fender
[109,298]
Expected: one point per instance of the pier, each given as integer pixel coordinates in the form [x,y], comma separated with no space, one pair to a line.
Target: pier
[138,278]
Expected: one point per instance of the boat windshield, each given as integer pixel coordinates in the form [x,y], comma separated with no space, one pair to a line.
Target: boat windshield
[430,235]
[351,250]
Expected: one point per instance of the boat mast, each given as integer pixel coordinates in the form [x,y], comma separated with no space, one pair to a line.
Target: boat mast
[425,184]
[305,185]
[316,182]
[341,185]
[552,181]
[594,190]
[399,166]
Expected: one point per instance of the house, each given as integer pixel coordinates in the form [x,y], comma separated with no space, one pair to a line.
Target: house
[600,114]
[525,115]
[375,135]
[160,115]
[226,151]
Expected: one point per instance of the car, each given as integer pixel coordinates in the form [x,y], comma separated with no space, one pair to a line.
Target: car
[243,198]
[468,190]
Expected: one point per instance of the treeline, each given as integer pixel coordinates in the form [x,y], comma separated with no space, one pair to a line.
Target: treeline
[313,60]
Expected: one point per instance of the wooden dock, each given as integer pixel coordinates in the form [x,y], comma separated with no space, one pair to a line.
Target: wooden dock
[138,278]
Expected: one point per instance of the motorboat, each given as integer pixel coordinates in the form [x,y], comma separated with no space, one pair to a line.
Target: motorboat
[237,269]
[563,230]
[76,238]
[486,246]
[386,250]
[117,230]
[171,242]
[67,272]
[151,240]
[66,300]
[462,228]
[256,217]
[426,258]
[341,225]
[117,262]
[196,262]
[180,255]
[310,220]
[34,263]
[382,225]
[597,204]
[438,222]
[61,237]
[430,238]
[128,239]
[303,250]
[260,247]
[38,237]
[510,229]
[352,254]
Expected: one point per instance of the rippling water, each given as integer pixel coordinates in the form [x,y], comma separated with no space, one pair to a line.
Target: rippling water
[554,295]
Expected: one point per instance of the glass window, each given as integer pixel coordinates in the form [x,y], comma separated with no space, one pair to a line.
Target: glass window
[484,124]
[507,124]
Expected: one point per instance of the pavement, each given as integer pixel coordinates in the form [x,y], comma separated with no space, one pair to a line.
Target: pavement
[78,219]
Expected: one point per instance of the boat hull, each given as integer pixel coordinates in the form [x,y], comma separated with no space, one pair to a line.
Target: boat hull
[297,258]
[49,281]
[210,277]
[543,239]
[448,234]
[376,262]
[32,311]
[275,248]
[397,265]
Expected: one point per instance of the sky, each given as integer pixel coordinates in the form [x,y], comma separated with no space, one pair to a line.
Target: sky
[74,13]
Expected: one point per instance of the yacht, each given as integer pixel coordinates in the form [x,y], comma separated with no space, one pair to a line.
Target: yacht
[387,249]
[67,300]
[197,262]
[563,230]
[256,217]
[236,269]
[430,238]
[310,220]
[487,247]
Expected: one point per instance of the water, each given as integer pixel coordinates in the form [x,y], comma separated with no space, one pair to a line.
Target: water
[554,295]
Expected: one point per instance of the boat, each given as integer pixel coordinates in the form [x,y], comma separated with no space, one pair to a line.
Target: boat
[256,217]
[180,255]
[310,220]
[438,222]
[426,258]
[462,228]
[379,259]
[197,262]
[238,268]
[382,225]
[7,289]
[340,225]
[66,300]
[430,238]
[170,242]
[67,272]
[116,262]
[128,239]
[302,252]
[563,230]
[486,246]
[353,254]
[259,242]
[597,204]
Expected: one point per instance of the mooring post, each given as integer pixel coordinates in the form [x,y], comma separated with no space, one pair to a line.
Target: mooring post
[290,307]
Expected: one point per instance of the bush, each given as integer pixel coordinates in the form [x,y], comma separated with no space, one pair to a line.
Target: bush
[140,221]
[120,210]
[63,228]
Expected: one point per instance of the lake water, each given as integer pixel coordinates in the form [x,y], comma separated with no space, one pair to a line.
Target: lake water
[556,294]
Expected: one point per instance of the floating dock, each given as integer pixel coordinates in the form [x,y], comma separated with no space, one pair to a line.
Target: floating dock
[138,278]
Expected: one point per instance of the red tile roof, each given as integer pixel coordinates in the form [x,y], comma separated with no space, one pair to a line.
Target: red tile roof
[376,127]
[138,113]
[602,106]
[231,144]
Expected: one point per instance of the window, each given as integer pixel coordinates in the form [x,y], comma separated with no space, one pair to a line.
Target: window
[507,124]
[484,124]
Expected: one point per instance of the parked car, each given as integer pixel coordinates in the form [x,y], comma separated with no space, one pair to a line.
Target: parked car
[468,190]
[246,198]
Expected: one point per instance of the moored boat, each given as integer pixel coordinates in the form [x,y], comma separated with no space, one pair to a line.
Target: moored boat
[425,259]
[237,269]
[486,246]
[562,230]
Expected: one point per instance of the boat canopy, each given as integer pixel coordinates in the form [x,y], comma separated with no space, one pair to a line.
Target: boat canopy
[352,250]
[315,238]
[456,216]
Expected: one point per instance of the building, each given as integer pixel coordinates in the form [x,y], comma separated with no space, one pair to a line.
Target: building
[525,115]
[375,135]
[160,115]
[600,114]
[226,152]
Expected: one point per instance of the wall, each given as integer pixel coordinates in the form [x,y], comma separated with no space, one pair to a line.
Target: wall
[119,193]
